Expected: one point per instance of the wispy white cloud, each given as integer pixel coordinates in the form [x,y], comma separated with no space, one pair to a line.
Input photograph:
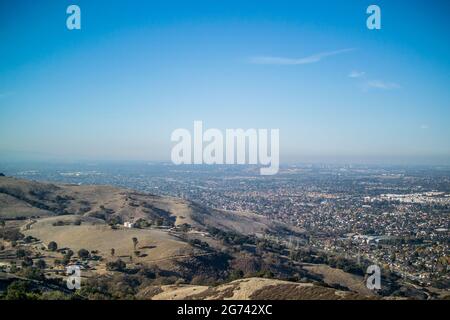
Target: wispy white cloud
[424,126]
[356,74]
[297,61]
[378,84]
[367,84]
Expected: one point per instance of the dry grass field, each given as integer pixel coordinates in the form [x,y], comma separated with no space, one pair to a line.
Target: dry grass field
[92,234]
[12,208]
[333,276]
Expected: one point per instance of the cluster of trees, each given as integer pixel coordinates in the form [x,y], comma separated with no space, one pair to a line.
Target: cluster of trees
[231,238]
[185,227]
[60,223]
[199,244]
[29,239]
[68,253]
[309,255]
[11,234]
[248,266]
[158,216]
[66,258]
[27,290]
[22,253]
[20,290]
[142,223]
[125,285]
[114,220]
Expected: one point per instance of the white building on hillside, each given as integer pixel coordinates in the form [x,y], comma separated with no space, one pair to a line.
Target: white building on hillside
[128,224]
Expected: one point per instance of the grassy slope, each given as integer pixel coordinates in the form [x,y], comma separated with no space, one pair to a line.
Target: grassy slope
[248,289]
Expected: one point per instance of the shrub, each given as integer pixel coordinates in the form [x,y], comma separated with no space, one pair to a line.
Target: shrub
[117,265]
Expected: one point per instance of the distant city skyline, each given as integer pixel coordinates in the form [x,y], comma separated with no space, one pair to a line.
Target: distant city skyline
[117,88]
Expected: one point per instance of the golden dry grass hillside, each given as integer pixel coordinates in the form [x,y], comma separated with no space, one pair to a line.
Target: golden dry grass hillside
[249,289]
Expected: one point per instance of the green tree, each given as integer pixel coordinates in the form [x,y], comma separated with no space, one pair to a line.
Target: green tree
[135,242]
[159,222]
[236,274]
[20,253]
[41,264]
[27,262]
[68,254]
[113,251]
[83,253]
[52,246]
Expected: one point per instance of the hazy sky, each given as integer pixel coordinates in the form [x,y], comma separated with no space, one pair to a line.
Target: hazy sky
[137,70]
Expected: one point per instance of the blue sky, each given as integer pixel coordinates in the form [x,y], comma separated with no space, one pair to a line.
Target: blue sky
[118,87]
